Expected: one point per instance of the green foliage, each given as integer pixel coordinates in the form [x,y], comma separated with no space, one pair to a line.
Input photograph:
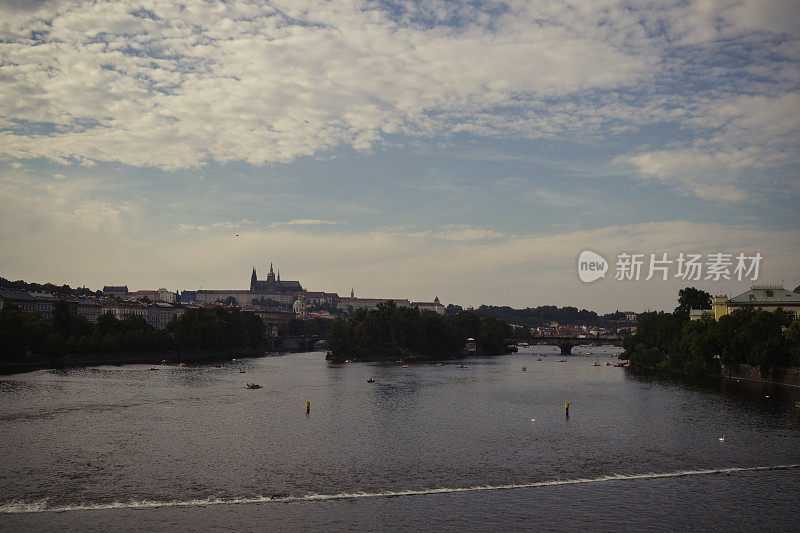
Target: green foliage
[544,314]
[20,333]
[217,327]
[313,327]
[49,288]
[692,298]
[672,343]
[28,333]
[389,333]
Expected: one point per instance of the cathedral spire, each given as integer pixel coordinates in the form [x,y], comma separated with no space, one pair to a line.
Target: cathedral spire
[352,292]
[253,280]
[279,274]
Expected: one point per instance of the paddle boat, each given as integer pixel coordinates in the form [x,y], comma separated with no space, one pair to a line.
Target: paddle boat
[253,386]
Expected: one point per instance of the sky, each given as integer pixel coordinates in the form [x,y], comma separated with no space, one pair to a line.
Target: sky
[405,149]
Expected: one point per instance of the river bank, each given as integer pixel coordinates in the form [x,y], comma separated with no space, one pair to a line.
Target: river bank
[39,362]
[779,376]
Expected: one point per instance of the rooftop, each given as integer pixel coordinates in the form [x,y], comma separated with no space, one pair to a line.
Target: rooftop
[767,294]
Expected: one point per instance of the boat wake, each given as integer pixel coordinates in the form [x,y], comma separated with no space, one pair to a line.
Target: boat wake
[42,506]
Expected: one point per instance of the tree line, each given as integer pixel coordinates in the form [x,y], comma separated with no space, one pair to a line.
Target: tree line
[23,334]
[543,315]
[671,342]
[389,333]
[49,288]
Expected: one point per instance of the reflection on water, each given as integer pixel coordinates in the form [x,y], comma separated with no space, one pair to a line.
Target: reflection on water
[105,436]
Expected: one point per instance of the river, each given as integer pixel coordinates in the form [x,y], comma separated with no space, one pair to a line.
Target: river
[424,447]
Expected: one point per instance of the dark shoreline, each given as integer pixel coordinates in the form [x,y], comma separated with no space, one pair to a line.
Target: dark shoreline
[785,377]
[118,359]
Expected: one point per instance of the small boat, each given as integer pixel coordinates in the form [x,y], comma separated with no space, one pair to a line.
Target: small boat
[608,364]
[347,360]
[183,364]
[241,371]
[538,358]
[152,368]
[595,364]
[461,366]
[253,386]
[371,380]
[621,364]
[561,361]
[218,366]
[405,366]
[524,368]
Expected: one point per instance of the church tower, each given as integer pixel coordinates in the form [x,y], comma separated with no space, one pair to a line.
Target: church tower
[271,275]
[253,280]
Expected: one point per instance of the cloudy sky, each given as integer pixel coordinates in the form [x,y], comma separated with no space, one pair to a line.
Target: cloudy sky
[466,150]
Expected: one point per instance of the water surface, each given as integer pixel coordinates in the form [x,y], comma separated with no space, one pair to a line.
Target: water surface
[191,446]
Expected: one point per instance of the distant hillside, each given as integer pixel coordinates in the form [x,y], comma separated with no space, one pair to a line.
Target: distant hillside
[543,315]
[48,287]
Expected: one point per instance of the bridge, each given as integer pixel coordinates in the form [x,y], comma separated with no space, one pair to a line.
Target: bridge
[567,342]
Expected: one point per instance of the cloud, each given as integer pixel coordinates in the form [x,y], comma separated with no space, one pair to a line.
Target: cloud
[176,87]
[742,138]
[303,222]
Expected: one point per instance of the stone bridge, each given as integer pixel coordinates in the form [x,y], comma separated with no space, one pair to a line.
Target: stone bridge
[566,344]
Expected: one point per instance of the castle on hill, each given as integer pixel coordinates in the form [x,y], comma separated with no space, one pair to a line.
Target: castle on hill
[272,288]
[265,292]
[273,283]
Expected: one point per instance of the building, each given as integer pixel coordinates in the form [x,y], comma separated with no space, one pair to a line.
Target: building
[141,295]
[161,295]
[89,308]
[321,298]
[125,308]
[273,283]
[21,299]
[698,314]
[435,306]
[157,314]
[352,304]
[276,321]
[232,296]
[115,291]
[766,297]
[44,304]
[282,292]
[160,314]
[300,307]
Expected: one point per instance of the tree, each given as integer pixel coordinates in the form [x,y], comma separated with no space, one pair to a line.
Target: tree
[692,298]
